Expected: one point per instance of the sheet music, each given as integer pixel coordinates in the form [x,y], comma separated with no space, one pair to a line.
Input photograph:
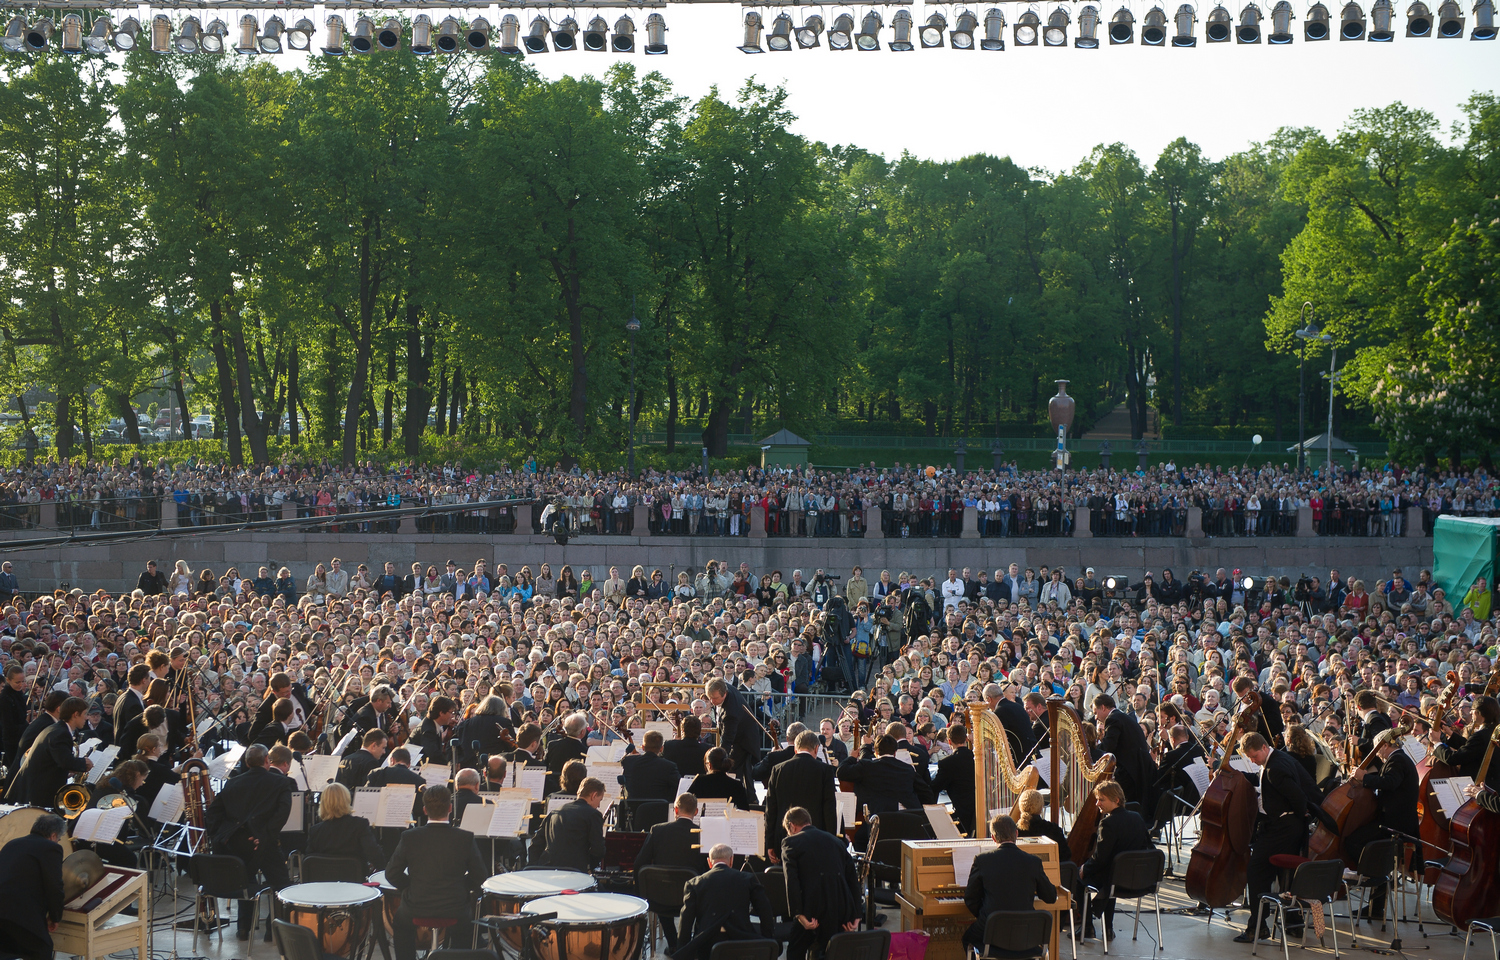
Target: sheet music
[203,726]
[1198,772]
[411,748]
[848,809]
[712,808]
[745,835]
[100,826]
[88,746]
[599,754]
[618,750]
[684,785]
[367,804]
[477,818]
[343,744]
[295,821]
[963,859]
[532,779]
[102,760]
[319,770]
[434,774]
[557,801]
[1450,793]
[1414,748]
[395,805]
[610,773]
[1244,764]
[168,805]
[943,827]
[219,766]
[1043,765]
[666,728]
[508,818]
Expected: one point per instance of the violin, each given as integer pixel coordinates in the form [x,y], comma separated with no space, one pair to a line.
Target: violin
[1220,860]
[1469,885]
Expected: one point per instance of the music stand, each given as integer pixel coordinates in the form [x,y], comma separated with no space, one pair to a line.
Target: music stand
[177,840]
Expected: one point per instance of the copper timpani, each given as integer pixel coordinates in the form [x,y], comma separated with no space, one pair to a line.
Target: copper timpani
[590,926]
[341,914]
[509,893]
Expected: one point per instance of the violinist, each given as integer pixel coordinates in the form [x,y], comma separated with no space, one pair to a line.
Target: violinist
[433,736]
[1396,795]
[1372,722]
[491,725]
[281,687]
[1281,826]
[1175,791]
[528,746]
[375,715]
[1464,752]
[279,730]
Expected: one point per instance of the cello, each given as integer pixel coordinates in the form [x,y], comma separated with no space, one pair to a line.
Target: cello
[1350,805]
[1469,886]
[1434,831]
[1220,860]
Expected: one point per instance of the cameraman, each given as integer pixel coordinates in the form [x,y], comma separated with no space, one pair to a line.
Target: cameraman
[838,627]
[822,589]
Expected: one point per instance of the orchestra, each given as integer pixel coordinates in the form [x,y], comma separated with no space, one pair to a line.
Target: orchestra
[1238,736]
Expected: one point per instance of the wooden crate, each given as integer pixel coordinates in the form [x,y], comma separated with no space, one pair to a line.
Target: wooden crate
[945,934]
[102,930]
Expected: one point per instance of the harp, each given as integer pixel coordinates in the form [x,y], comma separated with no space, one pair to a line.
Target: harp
[997,783]
[1072,776]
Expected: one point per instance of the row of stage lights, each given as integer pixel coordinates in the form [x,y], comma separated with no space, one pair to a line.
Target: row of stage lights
[970,31]
[451,35]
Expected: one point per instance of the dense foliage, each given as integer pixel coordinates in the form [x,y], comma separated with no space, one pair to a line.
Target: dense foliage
[385,248]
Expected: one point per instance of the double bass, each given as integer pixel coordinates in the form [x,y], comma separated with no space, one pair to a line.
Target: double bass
[1469,886]
[1434,830]
[1220,860]
[1350,805]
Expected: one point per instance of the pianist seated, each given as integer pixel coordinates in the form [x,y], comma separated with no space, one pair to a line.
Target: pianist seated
[1005,879]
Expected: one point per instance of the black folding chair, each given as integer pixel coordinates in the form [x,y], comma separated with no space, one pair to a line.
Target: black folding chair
[222,877]
[1316,881]
[1138,875]
[746,950]
[662,888]
[1016,935]
[1376,862]
[863,945]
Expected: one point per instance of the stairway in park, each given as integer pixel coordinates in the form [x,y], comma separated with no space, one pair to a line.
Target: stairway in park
[1115,425]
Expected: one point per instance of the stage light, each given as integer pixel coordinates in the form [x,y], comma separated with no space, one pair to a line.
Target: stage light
[1122,27]
[623,39]
[1249,31]
[1088,28]
[72,34]
[1382,22]
[1281,22]
[656,35]
[535,40]
[1352,23]
[1154,28]
[1056,33]
[961,37]
[868,38]
[161,33]
[334,45]
[807,34]
[39,34]
[841,34]
[753,26]
[564,35]
[388,37]
[421,35]
[189,36]
[1027,28]
[779,39]
[249,29]
[363,40]
[901,25]
[510,35]
[596,37]
[931,34]
[1418,20]
[1315,26]
[14,40]
[128,35]
[1484,20]
[1184,20]
[270,37]
[994,30]
[1450,20]
[299,35]
[450,34]
[98,39]
[1219,26]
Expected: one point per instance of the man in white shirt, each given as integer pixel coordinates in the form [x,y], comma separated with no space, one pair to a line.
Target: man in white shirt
[953,591]
[338,579]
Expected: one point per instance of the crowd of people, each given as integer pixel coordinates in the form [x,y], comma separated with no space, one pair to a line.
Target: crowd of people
[445,659]
[914,501]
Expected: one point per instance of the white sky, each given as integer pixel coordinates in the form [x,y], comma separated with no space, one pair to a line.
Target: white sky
[1047,107]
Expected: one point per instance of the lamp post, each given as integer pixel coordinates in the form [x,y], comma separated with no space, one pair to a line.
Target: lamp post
[633,325]
[1333,380]
[1306,333]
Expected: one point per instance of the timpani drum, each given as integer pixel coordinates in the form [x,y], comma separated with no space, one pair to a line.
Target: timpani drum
[590,926]
[16,821]
[341,914]
[509,893]
[390,900]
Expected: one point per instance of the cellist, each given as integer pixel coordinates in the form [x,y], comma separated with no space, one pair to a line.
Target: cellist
[1464,752]
[1395,788]
[1372,721]
[1287,793]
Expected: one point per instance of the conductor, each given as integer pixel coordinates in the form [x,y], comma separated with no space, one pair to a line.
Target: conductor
[740,734]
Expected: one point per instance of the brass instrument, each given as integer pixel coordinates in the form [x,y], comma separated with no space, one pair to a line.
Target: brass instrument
[73,799]
[112,800]
[198,793]
[998,785]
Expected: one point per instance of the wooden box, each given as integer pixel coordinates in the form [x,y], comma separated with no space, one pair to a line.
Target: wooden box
[98,928]
[945,933]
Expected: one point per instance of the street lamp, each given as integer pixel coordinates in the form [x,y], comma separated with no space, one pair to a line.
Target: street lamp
[1308,332]
[633,325]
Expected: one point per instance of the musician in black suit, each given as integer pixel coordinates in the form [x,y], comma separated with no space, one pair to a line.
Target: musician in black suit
[339,833]
[399,771]
[438,870]
[1372,721]
[355,769]
[572,837]
[133,699]
[1012,717]
[687,752]
[12,714]
[740,734]
[718,784]
[763,767]
[955,774]
[488,725]
[1175,791]
[1120,831]
[31,890]
[528,746]
[802,781]
[822,886]
[281,687]
[1282,827]
[279,730]
[1396,795]
[53,757]
[882,783]
[717,905]
[45,718]
[569,746]
[246,817]
[1005,879]
[150,749]
[673,844]
[647,776]
[1035,706]
[375,715]
[1121,735]
[430,735]
[1464,752]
